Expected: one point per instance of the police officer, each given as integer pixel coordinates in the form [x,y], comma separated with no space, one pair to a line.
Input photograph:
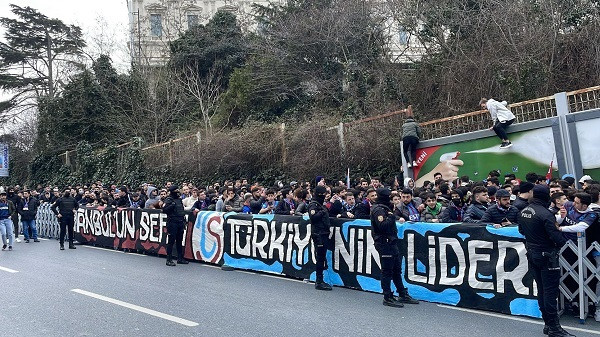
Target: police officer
[543,242]
[319,220]
[173,208]
[67,206]
[385,236]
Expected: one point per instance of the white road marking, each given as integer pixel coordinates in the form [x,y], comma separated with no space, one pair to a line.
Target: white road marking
[282,278]
[8,270]
[112,250]
[137,308]
[514,318]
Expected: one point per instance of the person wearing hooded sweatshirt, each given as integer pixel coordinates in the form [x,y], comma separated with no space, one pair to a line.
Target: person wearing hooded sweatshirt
[543,242]
[385,236]
[502,118]
[153,197]
[319,220]
[576,216]
[173,208]
[411,133]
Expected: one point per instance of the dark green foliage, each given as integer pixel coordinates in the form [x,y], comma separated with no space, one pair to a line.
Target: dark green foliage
[35,45]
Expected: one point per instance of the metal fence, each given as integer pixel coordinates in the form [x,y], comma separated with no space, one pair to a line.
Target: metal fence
[579,275]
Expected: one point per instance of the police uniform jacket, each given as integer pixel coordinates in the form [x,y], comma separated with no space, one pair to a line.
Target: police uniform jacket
[65,205]
[537,224]
[319,218]
[383,224]
[174,210]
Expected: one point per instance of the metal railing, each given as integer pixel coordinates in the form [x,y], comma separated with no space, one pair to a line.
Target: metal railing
[580,272]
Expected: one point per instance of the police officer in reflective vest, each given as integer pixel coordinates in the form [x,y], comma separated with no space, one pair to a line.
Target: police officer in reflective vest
[319,220]
[543,242]
[385,236]
[173,207]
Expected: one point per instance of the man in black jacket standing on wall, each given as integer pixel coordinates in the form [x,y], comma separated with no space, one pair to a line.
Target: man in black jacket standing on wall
[319,220]
[67,206]
[543,241]
[175,212]
[385,235]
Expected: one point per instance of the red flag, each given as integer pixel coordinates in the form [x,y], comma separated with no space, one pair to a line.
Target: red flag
[549,174]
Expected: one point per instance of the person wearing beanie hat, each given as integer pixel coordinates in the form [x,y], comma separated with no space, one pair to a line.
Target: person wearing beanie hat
[173,208]
[524,195]
[320,227]
[502,213]
[385,236]
[543,242]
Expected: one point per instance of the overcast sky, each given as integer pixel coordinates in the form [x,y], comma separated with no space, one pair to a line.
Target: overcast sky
[104,22]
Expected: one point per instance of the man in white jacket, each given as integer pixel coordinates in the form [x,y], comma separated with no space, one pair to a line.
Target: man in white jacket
[502,117]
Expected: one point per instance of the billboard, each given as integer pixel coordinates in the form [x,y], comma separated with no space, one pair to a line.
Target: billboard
[4,160]
[532,151]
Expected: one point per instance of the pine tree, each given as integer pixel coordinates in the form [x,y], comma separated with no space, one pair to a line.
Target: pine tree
[35,57]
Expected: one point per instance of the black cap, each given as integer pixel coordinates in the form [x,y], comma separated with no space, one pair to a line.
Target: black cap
[502,193]
[173,188]
[383,192]
[541,192]
[320,190]
[525,187]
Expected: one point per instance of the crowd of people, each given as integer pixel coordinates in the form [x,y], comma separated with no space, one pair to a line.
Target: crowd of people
[574,204]
[490,201]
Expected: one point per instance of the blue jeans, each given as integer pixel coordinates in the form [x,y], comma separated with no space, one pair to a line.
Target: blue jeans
[29,224]
[6,230]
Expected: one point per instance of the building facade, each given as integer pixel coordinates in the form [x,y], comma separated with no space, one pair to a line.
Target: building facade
[154,23]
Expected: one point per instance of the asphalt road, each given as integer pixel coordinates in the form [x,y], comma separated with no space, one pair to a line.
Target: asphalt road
[98,292]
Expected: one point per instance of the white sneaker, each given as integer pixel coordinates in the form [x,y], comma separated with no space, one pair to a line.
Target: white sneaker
[414,163]
[18,240]
[408,165]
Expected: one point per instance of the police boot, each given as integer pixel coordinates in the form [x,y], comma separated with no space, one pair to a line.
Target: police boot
[406,298]
[323,286]
[170,263]
[558,331]
[390,301]
[546,329]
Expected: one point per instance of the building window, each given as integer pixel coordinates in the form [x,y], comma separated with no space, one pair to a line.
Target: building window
[192,20]
[156,25]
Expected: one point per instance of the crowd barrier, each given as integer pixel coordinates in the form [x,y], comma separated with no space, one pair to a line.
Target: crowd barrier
[46,222]
[464,265]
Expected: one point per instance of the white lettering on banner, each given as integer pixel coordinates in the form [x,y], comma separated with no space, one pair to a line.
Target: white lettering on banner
[284,241]
[120,224]
[474,258]
[454,245]
[438,252]
[516,275]
[410,256]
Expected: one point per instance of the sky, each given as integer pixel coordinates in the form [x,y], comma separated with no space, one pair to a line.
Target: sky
[104,23]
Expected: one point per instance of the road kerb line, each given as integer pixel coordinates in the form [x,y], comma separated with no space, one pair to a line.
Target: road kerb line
[513,318]
[112,250]
[8,270]
[137,308]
